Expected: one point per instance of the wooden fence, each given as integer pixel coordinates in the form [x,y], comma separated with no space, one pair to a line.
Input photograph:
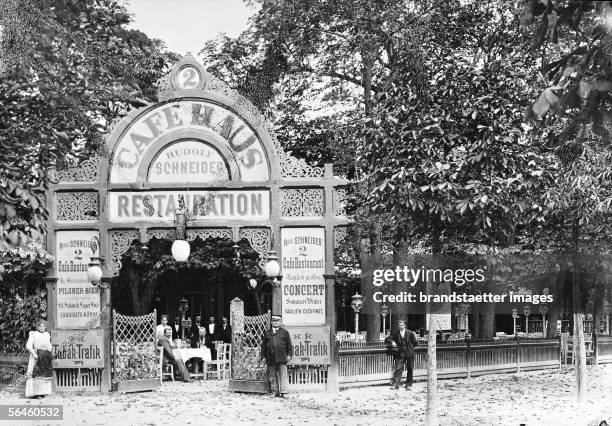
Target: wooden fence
[365,364]
[603,348]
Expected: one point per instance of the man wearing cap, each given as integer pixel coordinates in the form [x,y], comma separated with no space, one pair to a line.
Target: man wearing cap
[277,350]
[401,344]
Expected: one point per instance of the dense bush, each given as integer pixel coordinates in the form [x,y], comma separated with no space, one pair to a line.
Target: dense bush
[18,318]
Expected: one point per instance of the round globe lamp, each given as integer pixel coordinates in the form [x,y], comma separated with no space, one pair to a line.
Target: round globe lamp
[180,250]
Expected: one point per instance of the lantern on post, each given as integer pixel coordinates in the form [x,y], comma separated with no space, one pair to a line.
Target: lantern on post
[527,312]
[185,322]
[514,318]
[94,272]
[465,311]
[356,304]
[272,268]
[180,247]
[384,311]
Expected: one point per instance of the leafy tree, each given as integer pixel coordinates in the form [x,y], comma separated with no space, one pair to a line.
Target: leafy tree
[68,69]
[578,38]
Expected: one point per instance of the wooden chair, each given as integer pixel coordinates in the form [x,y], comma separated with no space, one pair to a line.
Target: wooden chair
[169,367]
[222,364]
[588,343]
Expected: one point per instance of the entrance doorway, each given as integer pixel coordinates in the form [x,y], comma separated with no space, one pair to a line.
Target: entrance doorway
[217,271]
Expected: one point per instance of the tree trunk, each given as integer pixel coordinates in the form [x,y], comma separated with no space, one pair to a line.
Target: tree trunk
[579,346]
[370,258]
[580,356]
[401,309]
[475,321]
[487,322]
[373,320]
[431,407]
[551,319]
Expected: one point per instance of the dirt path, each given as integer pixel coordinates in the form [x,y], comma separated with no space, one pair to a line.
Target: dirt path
[532,398]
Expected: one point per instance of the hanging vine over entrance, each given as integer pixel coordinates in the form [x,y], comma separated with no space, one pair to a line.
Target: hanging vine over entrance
[146,266]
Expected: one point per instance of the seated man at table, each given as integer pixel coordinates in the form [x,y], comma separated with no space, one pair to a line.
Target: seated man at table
[169,358]
[162,326]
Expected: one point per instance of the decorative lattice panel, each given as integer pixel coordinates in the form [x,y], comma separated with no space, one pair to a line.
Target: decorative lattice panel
[259,239]
[160,234]
[192,234]
[339,235]
[340,202]
[135,356]
[87,171]
[120,243]
[246,348]
[292,167]
[301,202]
[73,206]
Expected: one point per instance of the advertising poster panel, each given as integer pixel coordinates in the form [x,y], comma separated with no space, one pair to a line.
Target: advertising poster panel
[303,284]
[78,301]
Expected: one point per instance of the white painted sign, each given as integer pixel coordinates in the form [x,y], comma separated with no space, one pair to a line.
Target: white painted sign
[211,121]
[303,284]
[188,162]
[78,301]
[311,345]
[440,321]
[160,205]
[78,349]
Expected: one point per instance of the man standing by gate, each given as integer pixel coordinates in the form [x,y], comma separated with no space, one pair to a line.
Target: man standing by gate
[402,343]
[277,350]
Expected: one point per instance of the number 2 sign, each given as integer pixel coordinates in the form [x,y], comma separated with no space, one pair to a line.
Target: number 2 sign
[188,78]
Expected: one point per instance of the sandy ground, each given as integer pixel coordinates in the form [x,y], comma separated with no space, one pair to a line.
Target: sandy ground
[532,398]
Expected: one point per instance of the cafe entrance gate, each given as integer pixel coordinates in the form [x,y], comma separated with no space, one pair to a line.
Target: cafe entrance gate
[248,369]
[206,144]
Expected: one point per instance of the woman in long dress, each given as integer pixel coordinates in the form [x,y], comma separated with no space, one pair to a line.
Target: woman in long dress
[40,370]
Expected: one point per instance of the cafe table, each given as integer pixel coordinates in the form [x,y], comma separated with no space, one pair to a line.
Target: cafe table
[202,353]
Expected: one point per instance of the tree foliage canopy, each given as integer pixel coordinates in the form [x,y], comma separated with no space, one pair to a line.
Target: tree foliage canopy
[68,68]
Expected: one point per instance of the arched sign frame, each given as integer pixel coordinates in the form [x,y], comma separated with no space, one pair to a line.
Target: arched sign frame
[82,199]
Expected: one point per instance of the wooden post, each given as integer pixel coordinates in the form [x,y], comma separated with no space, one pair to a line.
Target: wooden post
[518,355]
[330,277]
[560,339]
[51,283]
[468,356]
[105,324]
[595,351]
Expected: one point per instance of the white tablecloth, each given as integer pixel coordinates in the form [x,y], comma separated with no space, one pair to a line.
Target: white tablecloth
[187,353]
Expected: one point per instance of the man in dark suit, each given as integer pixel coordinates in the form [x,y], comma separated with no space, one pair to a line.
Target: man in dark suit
[179,367]
[226,331]
[277,350]
[402,343]
[212,335]
[177,328]
[195,332]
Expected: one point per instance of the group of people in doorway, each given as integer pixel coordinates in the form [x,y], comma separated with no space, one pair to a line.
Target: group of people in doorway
[198,335]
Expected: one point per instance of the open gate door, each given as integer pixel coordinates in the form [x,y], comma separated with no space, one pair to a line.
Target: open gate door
[248,370]
[135,355]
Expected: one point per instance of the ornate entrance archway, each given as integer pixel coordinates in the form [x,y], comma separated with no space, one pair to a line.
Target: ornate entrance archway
[205,142]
